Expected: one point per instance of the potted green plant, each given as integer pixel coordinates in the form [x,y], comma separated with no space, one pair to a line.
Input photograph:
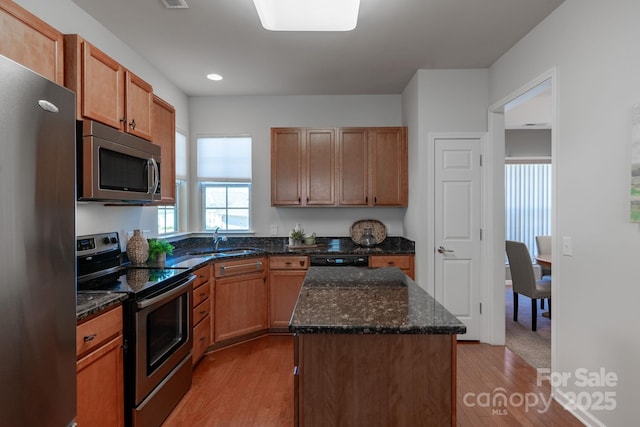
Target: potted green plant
[296,236]
[158,250]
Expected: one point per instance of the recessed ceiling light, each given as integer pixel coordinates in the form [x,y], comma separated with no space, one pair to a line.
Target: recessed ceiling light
[308,15]
[214,77]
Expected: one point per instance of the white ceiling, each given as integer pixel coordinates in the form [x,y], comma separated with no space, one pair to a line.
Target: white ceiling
[393,39]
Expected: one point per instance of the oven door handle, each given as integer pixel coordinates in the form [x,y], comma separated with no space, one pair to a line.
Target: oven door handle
[166,295]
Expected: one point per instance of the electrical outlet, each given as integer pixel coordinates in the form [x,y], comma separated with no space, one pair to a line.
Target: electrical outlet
[567,246]
[274,229]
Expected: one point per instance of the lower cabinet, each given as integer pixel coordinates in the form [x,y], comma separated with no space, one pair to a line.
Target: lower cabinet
[240,299]
[201,302]
[403,262]
[286,274]
[99,367]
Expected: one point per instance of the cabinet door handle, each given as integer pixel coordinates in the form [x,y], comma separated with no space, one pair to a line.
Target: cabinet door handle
[133,124]
[302,263]
[90,337]
[203,294]
[123,119]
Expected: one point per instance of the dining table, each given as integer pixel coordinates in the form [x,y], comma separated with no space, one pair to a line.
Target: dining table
[544,260]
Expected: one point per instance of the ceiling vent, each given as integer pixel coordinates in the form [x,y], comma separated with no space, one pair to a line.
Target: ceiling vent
[175,4]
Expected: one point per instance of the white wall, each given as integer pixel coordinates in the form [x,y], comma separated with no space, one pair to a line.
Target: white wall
[527,143]
[436,101]
[594,47]
[255,115]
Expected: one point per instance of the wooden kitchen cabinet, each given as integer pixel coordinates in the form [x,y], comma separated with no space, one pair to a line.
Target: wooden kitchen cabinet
[302,167]
[164,134]
[388,166]
[353,167]
[31,42]
[403,262]
[105,90]
[359,167]
[240,299]
[201,303]
[286,274]
[100,371]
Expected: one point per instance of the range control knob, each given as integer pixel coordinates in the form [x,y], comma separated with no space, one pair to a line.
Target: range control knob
[106,241]
[114,240]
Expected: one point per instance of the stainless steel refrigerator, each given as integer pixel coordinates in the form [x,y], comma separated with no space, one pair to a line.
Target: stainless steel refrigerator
[37,250]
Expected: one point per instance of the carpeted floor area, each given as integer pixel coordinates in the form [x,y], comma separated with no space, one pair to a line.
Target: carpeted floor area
[533,347]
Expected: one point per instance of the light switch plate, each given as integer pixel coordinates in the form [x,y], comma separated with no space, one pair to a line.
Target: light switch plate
[567,246]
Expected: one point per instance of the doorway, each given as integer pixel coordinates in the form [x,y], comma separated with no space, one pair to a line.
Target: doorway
[495,272]
[528,210]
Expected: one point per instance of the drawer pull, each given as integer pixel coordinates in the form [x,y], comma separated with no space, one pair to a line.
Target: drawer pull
[391,263]
[203,312]
[90,337]
[202,276]
[257,266]
[288,263]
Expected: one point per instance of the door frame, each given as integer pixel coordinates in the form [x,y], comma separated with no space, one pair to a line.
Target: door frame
[493,327]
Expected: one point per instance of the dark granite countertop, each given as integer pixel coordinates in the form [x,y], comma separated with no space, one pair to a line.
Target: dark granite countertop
[90,303]
[95,302]
[279,246]
[368,301]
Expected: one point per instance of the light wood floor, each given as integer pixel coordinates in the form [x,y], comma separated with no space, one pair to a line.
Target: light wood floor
[251,385]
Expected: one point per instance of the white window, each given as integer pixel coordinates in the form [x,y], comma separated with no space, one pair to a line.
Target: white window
[224,177]
[527,203]
[169,216]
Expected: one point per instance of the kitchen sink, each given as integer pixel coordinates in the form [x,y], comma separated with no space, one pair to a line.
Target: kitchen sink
[225,252]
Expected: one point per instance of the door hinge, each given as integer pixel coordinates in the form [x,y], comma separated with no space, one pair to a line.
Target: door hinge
[481,234]
[480,308]
[481,160]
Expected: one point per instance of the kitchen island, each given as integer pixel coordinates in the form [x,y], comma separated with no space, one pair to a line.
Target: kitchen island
[372,348]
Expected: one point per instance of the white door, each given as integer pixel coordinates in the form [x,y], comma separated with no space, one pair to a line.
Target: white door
[457,230]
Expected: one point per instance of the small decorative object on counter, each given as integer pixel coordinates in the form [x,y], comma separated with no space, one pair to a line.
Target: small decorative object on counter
[137,248]
[296,236]
[158,251]
[368,238]
[377,229]
[310,240]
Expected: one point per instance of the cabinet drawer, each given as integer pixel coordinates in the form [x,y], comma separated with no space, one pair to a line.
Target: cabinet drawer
[201,311]
[201,335]
[241,266]
[202,276]
[400,261]
[288,262]
[200,294]
[98,330]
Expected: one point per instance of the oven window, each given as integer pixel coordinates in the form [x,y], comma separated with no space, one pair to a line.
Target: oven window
[167,329]
[122,172]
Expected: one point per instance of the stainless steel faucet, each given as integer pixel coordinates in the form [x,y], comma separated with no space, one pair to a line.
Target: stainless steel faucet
[217,239]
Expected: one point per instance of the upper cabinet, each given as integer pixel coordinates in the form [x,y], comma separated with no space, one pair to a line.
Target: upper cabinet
[388,166]
[339,167]
[303,167]
[164,135]
[31,42]
[105,90]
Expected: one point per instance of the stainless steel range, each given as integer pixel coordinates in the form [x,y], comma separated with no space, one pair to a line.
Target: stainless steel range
[157,326]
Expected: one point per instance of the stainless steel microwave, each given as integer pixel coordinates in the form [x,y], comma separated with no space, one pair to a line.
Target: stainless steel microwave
[116,167]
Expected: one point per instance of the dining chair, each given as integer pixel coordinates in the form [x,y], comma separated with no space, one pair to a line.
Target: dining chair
[524,281]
